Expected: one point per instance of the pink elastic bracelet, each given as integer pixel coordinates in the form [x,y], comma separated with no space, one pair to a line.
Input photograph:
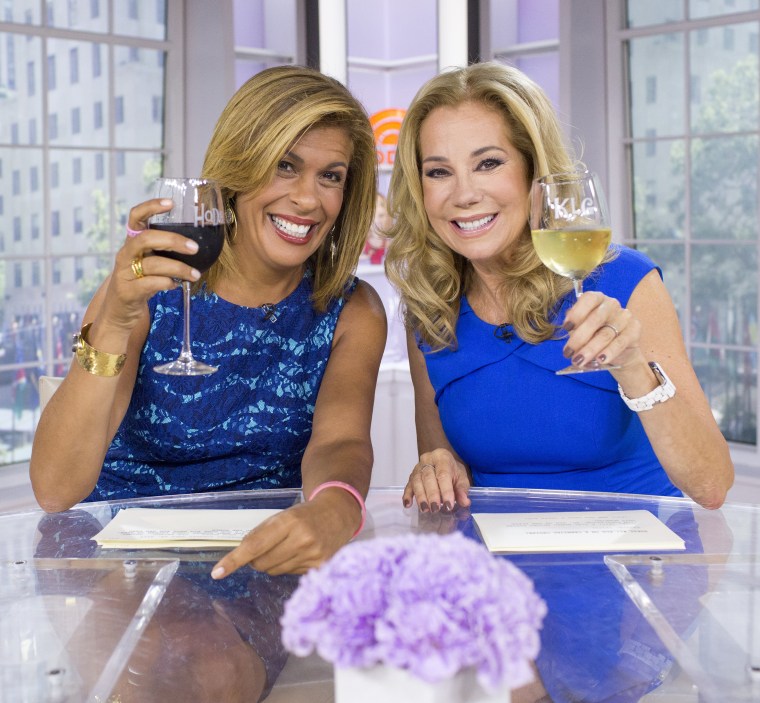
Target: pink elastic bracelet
[346,487]
[133,232]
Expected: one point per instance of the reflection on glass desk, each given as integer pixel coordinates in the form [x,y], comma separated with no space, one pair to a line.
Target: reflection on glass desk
[68,626]
[717,642]
[596,644]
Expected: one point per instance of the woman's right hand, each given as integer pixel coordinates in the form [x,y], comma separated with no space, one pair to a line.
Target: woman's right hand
[438,481]
[137,275]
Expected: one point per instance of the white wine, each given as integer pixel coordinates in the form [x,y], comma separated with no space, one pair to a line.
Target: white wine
[572,253]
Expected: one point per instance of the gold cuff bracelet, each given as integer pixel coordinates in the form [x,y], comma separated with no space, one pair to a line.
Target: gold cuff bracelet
[98,363]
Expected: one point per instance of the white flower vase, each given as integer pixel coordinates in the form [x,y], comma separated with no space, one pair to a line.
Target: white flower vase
[381,684]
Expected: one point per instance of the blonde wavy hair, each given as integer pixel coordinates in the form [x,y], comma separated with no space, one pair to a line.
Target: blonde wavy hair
[261,122]
[429,275]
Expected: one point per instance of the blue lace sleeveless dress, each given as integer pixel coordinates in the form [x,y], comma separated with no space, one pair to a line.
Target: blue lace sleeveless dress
[245,426]
[543,431]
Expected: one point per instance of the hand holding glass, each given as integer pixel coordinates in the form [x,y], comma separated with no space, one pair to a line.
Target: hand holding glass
[196,214]
[571,232]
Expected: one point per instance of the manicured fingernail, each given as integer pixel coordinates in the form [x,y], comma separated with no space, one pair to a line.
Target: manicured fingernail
[166,201]
[449,506]
[578,359]
[568,325]
[567,352]
[434,507]
[423,507]
[601,358]
[407,503]
[218,572]
[191,245]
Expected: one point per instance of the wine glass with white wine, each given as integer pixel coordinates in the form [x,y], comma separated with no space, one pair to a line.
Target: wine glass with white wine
[570,226]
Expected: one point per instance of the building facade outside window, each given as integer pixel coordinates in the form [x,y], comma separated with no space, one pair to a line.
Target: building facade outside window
[69,177]
[689,159]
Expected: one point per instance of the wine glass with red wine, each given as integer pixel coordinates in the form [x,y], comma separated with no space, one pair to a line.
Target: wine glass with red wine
[198,215]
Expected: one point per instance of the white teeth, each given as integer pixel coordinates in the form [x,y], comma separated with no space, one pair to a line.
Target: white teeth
[290,228]
[474,224]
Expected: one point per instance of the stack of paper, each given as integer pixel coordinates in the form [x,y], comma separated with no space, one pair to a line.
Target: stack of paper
[583,531]
[171,528]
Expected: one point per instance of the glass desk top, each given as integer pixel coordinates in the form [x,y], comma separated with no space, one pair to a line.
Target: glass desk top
[598,642]
[715,637]
[68,626]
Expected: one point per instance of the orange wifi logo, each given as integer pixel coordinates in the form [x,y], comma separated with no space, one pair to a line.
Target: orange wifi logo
[386,125]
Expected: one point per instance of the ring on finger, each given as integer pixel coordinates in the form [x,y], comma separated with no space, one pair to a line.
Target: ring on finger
[612,327]
[133,232]
[137,269]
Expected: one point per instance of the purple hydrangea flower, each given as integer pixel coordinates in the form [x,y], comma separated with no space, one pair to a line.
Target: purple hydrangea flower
[431,604]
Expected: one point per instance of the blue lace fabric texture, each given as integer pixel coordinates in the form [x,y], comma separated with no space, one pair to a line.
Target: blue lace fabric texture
[245,426]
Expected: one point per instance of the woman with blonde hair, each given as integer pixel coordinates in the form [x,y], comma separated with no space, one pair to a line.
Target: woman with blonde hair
[489,324]
[298,342]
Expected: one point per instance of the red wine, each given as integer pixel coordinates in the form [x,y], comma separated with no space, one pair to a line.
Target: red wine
[210,240]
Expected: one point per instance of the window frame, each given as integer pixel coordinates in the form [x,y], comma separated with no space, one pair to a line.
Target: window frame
[619,187]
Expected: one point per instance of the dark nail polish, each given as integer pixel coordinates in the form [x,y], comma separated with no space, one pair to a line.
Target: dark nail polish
[424,507]
[407,503]
[568,326]
[449,506]
[601,358]
[578,359]
[567,352]
[434,507]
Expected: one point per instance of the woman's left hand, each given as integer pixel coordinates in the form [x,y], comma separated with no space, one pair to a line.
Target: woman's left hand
[601,331]
[295,540]
[682,431]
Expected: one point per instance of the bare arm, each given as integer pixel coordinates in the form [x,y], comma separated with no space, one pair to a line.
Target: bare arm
[440,479]
[79,422]
[682,430]
[340,449]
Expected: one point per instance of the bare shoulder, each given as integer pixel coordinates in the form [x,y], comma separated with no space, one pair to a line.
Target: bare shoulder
[364,304]
[653,306]
[363,317]
[364,294]
[650,287]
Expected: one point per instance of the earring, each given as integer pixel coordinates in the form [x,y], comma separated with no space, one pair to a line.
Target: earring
[231,220]
[333,247]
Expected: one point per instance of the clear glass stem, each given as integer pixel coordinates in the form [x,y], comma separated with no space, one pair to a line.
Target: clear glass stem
[186,356]
[593,365]
[185,364]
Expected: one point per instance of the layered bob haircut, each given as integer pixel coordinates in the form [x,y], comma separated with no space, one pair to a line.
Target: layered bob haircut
[261,122]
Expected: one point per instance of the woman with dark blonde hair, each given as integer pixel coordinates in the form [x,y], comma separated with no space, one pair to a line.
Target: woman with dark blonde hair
[297,338]
[298,342]
[489,324]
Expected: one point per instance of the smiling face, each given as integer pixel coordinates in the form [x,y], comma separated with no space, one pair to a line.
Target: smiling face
[474,182]
[283,224]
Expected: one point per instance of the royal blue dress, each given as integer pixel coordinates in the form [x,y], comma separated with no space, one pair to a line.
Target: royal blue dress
[518,425]
[245,426]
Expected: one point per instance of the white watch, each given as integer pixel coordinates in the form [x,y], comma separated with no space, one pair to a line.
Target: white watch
[663,392]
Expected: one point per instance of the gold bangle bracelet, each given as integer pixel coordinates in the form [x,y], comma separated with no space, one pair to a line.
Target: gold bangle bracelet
[98,363]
